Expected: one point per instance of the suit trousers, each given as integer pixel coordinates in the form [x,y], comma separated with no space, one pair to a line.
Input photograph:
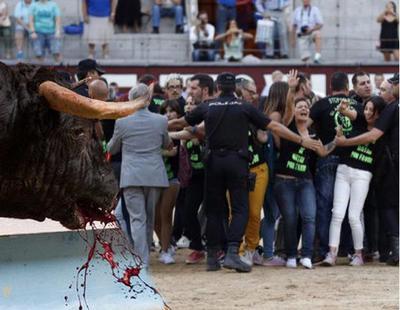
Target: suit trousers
[140,204]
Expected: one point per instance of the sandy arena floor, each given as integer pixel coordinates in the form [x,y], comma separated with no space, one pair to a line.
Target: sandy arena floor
[373,286]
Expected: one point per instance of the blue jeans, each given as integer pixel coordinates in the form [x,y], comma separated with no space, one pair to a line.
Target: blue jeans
[324,180]
[296,196]
[203,55]
[271,215]
[44,41]
[159,11]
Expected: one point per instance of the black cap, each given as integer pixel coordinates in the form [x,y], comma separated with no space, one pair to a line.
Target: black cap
[394,79]
[88,64]
[226,78]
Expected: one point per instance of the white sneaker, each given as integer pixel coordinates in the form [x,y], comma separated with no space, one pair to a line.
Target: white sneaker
[306,262]
[166,258]
[171,250]
[247,257]
[357,260]
[258,259]
[330,260]
[291,263]
[183,243]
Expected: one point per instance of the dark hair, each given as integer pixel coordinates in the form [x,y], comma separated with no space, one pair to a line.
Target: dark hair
[354,79]
[173,105]
[276,100]
[394,6]
[226,89]
[147,79]
[378,103]
[302,99]
[204,81]
[303,77]
[157,89]
[339,81]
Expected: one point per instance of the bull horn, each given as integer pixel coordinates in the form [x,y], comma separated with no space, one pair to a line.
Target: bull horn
[64,100]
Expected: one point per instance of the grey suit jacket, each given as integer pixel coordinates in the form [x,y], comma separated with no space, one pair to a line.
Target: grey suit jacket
[140,137]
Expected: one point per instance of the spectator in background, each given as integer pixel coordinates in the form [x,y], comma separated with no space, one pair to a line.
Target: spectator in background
[378,79]
[174,90]
[129,15]
[226,11]
[5,28]
[274,10]
[168,8]
[45,27]
[362,89]
[389,37]
[21,14]
[307,21]
[202,39]
[115,94]
[99,16]
[233,40]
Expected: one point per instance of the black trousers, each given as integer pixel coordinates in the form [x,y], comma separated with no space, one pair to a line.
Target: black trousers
[178,230]
[226,171]
[193,200]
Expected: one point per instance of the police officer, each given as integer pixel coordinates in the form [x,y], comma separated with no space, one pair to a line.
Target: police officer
[227,121]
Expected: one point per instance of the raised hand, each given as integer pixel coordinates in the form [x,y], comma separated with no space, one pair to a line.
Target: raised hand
[293,80]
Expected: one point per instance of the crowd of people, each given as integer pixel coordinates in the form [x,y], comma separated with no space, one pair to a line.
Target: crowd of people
[39,23]
[217,168]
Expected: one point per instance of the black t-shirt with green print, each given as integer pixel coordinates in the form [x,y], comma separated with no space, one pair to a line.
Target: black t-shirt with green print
[326,118]
[359,156]
[195,150]
[172,163]
[256,149]
[294,160]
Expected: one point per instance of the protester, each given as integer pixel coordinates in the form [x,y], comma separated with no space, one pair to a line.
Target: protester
[353,177]
[378,79]
[389,36]
[45,28]
[166,203]
[21,14]
[99,16]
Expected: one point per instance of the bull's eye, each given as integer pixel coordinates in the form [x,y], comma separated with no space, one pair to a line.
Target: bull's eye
[79,133]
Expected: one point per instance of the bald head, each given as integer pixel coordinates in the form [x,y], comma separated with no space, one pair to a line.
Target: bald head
[98,89]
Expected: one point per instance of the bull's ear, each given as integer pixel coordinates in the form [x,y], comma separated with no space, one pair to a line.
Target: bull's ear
[64,100]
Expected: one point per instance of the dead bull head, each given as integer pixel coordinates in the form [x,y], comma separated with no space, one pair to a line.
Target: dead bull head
[51,161]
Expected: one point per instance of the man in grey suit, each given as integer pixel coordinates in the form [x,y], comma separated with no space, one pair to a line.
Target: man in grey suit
[140,137]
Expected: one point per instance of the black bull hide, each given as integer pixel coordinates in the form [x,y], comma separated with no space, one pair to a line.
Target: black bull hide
[51,164]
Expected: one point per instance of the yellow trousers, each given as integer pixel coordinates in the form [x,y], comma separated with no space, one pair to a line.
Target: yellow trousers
[256,202]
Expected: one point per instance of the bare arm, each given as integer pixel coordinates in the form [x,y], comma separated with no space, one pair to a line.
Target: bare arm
[368,137]
[381,17]
[287,134]
[177,124]
[293,81]
[275,116]
[347,110]
[58,26]
[325,150]
[247,36]
[170,152]
[114,4]
[181,135]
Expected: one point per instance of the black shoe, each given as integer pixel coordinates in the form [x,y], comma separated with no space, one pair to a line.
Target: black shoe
[178,29]
[232,260]
[393,259]
[212,260]
[156,30]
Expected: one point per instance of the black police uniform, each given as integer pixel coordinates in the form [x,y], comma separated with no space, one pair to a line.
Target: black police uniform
[227,122]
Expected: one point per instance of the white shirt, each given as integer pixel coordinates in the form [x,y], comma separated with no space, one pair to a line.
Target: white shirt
[309,16]
[193,37]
